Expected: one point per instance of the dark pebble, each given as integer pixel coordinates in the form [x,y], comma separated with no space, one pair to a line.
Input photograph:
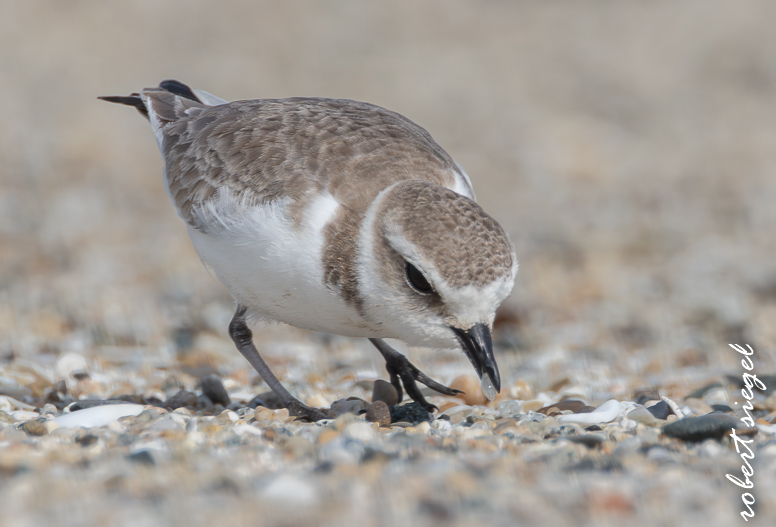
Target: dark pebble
[142,457]
[214,389]
[81,375]
[267,400]
[695,429]
[660,410]
[721,408]
[181,399]
[411,413]
[593,428]
[385,392]
[379,413]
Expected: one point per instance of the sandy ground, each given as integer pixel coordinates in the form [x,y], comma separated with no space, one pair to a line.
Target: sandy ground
[628,148]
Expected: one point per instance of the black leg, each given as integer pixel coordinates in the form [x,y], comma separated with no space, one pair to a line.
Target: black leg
[399,367]
[243,339]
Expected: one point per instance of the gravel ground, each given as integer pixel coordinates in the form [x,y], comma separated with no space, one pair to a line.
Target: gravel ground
[628,148]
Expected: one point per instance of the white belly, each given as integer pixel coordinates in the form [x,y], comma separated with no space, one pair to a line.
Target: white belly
[273,268]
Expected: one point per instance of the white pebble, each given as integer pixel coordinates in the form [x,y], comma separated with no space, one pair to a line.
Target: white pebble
[98,416]
[8,404]
[24,415]
[603,414]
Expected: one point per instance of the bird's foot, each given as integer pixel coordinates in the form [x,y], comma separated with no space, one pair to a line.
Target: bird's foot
[304,412]
[402,371]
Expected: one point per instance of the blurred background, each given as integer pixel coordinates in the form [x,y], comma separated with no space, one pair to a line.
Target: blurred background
[628,148]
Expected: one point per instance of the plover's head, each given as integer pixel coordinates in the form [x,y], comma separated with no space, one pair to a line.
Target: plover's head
[433,267]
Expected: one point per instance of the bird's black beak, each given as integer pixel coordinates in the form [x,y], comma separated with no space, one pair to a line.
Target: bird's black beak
[478,346]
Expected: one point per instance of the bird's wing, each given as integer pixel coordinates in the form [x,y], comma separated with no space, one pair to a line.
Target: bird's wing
[270,149]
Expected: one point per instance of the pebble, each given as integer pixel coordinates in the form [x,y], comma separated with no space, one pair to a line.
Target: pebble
[571,405]
[605,413]
[8,404]
[533,405]
[267,400]
[696,429]
[700,392]
[379,413]
[643,415]
[411,413]
[34,428]
[351,405]
[660,410]
[448,405]
[716,396]
[385,392]
[470,385]
[91,403]
[98,416]
[183,398]
[214,389]
[510,408]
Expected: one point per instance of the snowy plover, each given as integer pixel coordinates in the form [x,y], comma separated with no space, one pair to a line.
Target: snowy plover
[337,216]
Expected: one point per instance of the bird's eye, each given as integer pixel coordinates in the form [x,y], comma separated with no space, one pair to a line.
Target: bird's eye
[417,280]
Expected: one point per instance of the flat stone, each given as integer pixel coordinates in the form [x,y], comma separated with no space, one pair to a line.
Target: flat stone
[605,413]
[98,416]
[697,429]
[351,405]
[379,413]
[385,392]
[214,389]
